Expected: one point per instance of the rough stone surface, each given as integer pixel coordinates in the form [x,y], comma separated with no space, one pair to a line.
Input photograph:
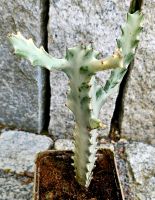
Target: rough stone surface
[123,170]
[141,168]
[18,150]
[139,103]
[63,144]
[13,187]
[73,22]
[18,80]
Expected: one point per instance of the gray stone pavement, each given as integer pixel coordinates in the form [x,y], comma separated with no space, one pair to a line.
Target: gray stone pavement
[18,150]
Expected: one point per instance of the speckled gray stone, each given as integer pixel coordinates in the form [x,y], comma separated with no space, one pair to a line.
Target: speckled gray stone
[13,187]
[139,103]
[72,22]
[63,144]
[18,150]
[141,168]
[18,80]
[123,169]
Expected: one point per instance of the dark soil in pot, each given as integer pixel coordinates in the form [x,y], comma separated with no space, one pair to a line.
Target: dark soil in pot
[54,179]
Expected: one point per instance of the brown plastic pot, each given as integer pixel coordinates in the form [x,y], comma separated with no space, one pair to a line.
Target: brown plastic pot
[54,178]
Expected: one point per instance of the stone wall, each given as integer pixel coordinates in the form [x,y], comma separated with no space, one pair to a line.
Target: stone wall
[71,22]
[21,86]
[18,80]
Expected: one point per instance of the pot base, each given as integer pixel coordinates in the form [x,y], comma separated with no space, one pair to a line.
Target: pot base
[54,178]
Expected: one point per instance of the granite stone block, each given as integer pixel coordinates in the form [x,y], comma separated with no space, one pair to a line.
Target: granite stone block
[18,79]
[18,150]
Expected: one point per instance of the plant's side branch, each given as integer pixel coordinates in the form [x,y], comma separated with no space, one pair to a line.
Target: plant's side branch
[128,43]
[37,56]
[112,62]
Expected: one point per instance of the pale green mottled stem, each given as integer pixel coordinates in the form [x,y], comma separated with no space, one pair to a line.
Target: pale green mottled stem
[37,56]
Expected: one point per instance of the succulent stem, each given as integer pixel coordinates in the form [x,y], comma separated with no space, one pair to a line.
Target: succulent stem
[37,56]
